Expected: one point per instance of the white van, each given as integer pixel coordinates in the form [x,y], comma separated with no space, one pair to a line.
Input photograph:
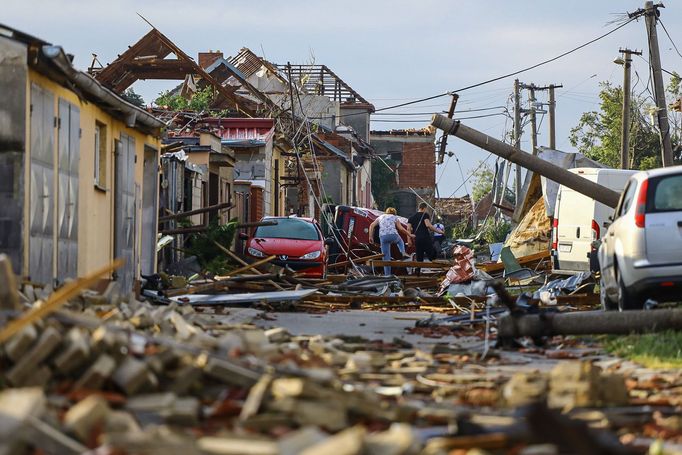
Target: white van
[580,220]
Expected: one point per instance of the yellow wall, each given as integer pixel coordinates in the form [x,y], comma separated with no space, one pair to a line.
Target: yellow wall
[96,207]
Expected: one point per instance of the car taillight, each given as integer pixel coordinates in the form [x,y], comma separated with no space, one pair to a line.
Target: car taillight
[555,233]
[640,208]
[595,230]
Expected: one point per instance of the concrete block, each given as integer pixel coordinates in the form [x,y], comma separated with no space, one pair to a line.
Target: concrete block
[152,402]
[47,342]
[184,411]
[277,335]
[226,372]
[330,415]
[185,378]
[215,445]
[130,375]
[97,374]
[525,388]
[17,346]
[16,407]
[75,354]
[120,422]
[85,415]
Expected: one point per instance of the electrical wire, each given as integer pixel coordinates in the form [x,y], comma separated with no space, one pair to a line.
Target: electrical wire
[504,76]
[669,37]
[430,113]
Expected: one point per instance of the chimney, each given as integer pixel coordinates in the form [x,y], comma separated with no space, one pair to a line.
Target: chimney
[206,59]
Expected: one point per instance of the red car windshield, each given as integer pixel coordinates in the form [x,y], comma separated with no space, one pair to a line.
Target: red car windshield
[288,228]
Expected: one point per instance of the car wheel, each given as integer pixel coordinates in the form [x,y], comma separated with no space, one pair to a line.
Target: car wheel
[606,303]
[626,300]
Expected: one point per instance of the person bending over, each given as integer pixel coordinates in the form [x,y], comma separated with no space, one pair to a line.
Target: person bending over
[389,228]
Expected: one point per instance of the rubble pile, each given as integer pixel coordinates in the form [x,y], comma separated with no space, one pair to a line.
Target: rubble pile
[126,376]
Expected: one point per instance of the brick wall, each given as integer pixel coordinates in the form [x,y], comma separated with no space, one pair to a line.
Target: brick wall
[207,58]
[418,168]
[337,141]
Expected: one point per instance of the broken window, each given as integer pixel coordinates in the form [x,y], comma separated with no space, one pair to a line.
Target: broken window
[100,150]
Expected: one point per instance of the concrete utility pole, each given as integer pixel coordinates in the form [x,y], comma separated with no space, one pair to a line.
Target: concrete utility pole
[556,173]
[552,118]
[626,61]
[517,136]
[651,14]
[533,120]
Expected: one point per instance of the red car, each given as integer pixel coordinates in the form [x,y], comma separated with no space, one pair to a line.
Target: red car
[297,242]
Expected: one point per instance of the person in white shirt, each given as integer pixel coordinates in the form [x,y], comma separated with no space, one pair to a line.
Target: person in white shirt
[389,228]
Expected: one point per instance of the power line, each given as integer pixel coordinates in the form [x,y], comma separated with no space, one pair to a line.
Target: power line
[430,113]
[669,37]
[504,76]
[429,120]
[495,79]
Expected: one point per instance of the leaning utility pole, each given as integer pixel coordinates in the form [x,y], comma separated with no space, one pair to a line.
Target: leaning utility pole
[517,136]
[651,14]
[552,118]
[625,130]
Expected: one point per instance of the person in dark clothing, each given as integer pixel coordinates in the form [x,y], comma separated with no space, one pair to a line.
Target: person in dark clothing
[420,225]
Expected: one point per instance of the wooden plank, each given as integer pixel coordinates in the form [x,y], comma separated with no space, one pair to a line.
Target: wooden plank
[357,261]
[424,265]
[57,299]
[244,263]
[246,268]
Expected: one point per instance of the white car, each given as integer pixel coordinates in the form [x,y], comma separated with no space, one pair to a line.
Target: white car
[641,254]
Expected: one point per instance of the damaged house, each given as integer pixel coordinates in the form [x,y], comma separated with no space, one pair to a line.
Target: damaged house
[78,167]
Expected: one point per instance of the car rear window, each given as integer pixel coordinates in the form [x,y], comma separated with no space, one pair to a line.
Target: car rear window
[288,228]
[667,194]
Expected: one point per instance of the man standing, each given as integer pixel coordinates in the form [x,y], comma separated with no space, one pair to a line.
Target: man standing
[420,225]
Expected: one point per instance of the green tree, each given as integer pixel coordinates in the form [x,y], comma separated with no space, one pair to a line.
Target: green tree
[201,100]
[133,98]
[598,133]
[483,181]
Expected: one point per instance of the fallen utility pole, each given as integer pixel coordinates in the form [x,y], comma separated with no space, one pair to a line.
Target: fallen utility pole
[651,14]
[625,130]
[588,323]
[558,174]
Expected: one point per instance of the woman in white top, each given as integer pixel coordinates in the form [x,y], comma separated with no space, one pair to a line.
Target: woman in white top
[389,226]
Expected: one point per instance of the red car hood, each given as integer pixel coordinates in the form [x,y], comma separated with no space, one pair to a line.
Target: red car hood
[288,247]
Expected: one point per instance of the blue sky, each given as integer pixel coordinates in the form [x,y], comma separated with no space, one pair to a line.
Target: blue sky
[388,51]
